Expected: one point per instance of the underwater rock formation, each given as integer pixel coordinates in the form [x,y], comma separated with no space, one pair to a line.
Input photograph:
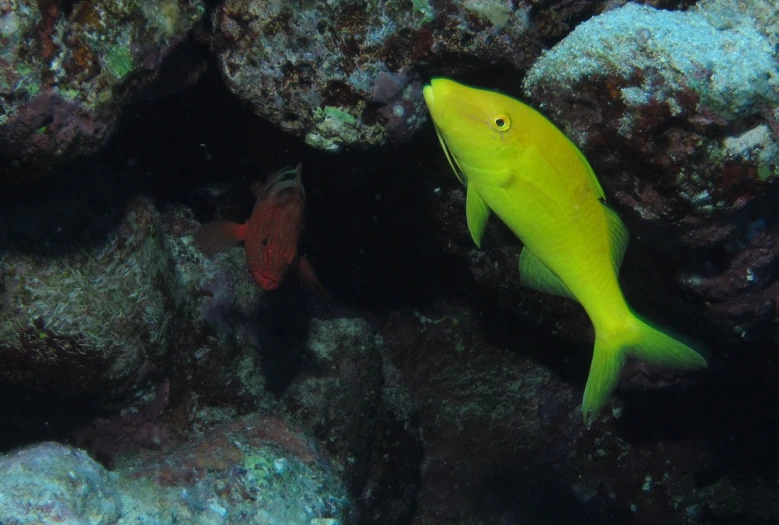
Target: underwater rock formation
[87,322]
[335,73]
[354,402]
[340,400]
[67,68]
[679,114]
[225,348]
[498,406]
[256,470]
[346,73]
[96,325]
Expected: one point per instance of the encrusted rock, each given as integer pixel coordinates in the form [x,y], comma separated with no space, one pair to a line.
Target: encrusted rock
[256,470]
[346,73]
[67,68]
[677,112]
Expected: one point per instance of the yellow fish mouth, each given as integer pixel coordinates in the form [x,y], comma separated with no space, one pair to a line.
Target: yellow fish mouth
[435,107]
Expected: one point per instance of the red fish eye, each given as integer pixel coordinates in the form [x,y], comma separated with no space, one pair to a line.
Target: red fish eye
[265,241]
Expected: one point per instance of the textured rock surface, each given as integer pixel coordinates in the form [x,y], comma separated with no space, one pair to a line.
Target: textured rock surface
[93,320]
[498,405]
[340,401]
[90,320]
[257,470]
[67,68]
[347,73]
[682,125]
[355,403]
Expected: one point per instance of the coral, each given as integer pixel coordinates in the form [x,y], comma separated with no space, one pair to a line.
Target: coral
[257,469]
[52,483]
[99,314]
[311,68]
[67,70]
[671,96]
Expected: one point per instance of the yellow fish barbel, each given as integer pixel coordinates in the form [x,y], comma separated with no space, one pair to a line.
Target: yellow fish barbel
[524,169]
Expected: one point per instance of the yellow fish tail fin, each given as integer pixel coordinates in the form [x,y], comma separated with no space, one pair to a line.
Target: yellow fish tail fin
[637,339]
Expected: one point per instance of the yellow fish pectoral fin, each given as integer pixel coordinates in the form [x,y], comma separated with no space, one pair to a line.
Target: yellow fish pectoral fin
[536,275]
[476,214]
[618,236]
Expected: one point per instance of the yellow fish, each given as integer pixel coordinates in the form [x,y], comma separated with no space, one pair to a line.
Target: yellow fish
[519,165]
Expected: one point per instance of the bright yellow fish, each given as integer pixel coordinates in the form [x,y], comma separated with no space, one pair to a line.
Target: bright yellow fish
[519,165]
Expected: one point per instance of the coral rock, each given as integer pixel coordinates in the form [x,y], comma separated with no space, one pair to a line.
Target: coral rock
[67,68]
[677,112]
[254,471]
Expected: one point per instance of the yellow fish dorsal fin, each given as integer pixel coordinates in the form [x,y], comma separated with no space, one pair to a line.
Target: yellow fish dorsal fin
[458,171]
[537,276]
[476,214]
[618,236]
[596,187]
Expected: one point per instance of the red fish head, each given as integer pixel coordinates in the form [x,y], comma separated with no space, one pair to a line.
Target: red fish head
[269,256]
[265,282]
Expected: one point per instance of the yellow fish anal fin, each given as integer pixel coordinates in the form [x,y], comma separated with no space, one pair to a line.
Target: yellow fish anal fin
[596,187]
[476,214]
[618,236]
[536,275]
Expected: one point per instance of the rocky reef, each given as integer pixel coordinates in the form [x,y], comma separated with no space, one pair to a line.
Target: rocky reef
[141,380]
[68,68]
[256,470]
[348,74]
[682,125]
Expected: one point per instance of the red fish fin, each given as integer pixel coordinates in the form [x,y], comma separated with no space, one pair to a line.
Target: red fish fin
[308,277]
[219,235]
[283,179]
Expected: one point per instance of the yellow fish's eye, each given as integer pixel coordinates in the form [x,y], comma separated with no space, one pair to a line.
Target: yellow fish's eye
[501,122]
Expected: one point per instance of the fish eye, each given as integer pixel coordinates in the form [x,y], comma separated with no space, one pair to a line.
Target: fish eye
[501,122]
[265,241]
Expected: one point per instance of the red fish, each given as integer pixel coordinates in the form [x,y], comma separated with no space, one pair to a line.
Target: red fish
[271,234]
